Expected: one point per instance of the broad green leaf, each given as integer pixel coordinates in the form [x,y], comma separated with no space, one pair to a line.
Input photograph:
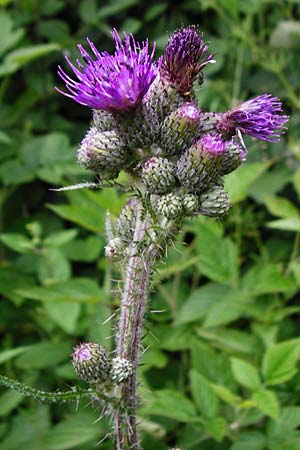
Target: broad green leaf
[17,242]
[230,339]
[9,37]
[227,310]
[238,182]
[250,441]
[53,267]
[267,402]
[85,250]
[245,374]
[279,362]
[292,224]
[6,355]
[204,396]
[217,427]
[169,403]
[44,354]
[225,394]
[270,183]
[60,238]
[266,278]
[81,290]
[11,280]
[8,401]
[75,430]
[218,257]
[281,207]
[288,421]
[64,314]
[90,218]
[13,172]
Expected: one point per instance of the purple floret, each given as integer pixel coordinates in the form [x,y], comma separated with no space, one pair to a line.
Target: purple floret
[186,55]
[258,118]
[113,83]
[213,144]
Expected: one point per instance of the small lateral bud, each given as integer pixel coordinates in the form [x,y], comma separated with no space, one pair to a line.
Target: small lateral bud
[178,128]
[190,204]
[102,152]
[169,206]
[158,175]
[232,158]
[120,370]
[126,220]
[90,362]
[114,250]
[215,202]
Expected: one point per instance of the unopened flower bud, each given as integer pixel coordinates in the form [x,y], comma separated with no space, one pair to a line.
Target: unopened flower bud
[114,250]
[200,164]
[120,370]
[158,175]
[126,220]
[103,120]
[190,204]
[169,206]
[102,152]
[178,129]
[215,202]
[90,362]
[232,158]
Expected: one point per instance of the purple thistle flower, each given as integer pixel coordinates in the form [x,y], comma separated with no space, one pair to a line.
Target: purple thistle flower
[185,57]
[213,144]
[114,83]
[190,112]
[257,117]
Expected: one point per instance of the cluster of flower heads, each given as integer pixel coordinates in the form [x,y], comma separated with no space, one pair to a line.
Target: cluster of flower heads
[146,121]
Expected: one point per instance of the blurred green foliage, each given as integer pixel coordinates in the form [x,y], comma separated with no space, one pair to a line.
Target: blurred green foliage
[220,369]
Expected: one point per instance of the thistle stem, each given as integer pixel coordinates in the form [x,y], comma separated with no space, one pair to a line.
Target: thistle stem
[142,255]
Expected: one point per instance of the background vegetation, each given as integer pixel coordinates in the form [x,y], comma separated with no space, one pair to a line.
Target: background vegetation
[221,364]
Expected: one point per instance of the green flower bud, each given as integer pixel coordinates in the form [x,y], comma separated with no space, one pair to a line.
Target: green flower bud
[102,152]
[120,370]
[90,362]
[103,120]
[178,129]
[126,221]
[199,166]
[215,202]
[190,203]
[169,206]
[158,175]
[114,250]
[232,158]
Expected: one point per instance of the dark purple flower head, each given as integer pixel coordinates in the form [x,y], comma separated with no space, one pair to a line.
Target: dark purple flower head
[212,144]
[114,83]
[185,57]
[257,117]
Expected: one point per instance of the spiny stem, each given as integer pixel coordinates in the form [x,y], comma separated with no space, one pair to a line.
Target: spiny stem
[134,300]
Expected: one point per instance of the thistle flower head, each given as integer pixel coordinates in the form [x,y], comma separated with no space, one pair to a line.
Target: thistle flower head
[212,144]
[185,57]
[114,83]
[258,117]
[90,362]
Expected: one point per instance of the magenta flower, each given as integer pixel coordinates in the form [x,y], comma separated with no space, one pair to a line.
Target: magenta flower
[213,144]
[114,83]
[257,117]
[185,57]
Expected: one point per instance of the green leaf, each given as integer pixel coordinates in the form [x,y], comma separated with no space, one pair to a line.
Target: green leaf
[245,374]
[81,290]
[281,207]
[218,256]
[60,238]
[10,280]
[44,354]
[17,242]
[90,218]
[6,355]
[204,396]
[53,267]
[64,314]
[169,403]
[78,429]
[266,401]
[85,250]
[9,37]
[237,183]
[279,362]
[266,278]
[225,394]
[285,224]
[217,427]
[250,441]
[8,401]
[230,339]
[288,421]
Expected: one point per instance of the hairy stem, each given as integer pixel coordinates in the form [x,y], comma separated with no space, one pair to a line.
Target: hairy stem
[142,255]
